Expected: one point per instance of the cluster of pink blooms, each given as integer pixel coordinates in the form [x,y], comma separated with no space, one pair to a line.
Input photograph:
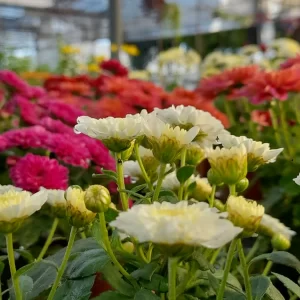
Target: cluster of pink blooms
[46,128]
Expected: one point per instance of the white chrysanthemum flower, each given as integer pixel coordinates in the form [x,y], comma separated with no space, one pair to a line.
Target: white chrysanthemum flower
[171,182]
[116,133]
[229,165]
[188,116]
[144,152]
[178,224]
[166,141]
[78,214]
[9,187]
[15,206]
[297,179]
[273,226]
[258,153]
[132,169]
[57,201]
[244,213]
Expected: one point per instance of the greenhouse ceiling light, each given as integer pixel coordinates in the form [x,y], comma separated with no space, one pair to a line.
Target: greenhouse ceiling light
[29,3]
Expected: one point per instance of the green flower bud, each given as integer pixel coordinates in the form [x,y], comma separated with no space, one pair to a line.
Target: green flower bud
[194,155]
[280,242]
[97,198]
[126,154]
[213,178]
[128,247]
[242,185]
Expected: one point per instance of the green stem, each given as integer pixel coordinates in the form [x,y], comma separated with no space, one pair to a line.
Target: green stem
[294,297]
[120,181]
[245,268]
[12,266]
[284,127]
[229,112]
[232,190]
[107,245]
[172,266]
[211,198]
[63,263]
[160,178]
[49,239]
[253,250]
[142,254]
[268,268]
[182,164]
[215,255]
[248,112]
[230,256]
[140,162]
[149,253]
[297,109]
[83,235]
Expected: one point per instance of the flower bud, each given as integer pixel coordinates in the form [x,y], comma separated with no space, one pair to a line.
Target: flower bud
[244,213]
[213,177]
[194,155]
[77,213]
[97,198]
[126,154]
[242,185]
[280,242]
[128,247]
[202,190]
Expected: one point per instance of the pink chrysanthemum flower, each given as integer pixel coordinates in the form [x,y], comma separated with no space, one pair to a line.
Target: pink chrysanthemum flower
[13,80]
[56,126]
[3,143]
[61,110]
[30,137]
[34,171]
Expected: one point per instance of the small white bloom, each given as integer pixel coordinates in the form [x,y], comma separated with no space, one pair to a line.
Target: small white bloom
[6,188]
[55,197]
[187,117]
[78,214]
[202,190]
[171,182]
[258,153]
[245,213]
[229,165]
[177,224]
[297,179]
[276,227]
[15,206]
[144,152]
[116,133]
[132,169]
[166,141]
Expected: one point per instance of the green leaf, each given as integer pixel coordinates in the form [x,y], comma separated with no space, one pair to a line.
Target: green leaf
[158,283]
[50,263]
[114,278]
[191,187]
[112,296]
[23,270]
[187,297]
[145,295]
[233,295]
[96,233]
[184,173]
[279,257]
[139,187]
[204,264]
[111,214]
[289,284]
[2,266]
[88,263]
[74,289]
[26,286]
[105,176]
[214,282]
[273,294]
[146,272]
[43,276]
[259,286]
[26,254]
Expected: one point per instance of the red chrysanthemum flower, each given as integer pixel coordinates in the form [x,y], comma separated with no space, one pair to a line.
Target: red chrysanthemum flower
[114,67]
[226,81]
[271,85]
[34,171]
[261,117]
[290,62]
